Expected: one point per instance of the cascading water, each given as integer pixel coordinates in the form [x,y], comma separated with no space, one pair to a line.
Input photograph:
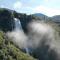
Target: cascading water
[19,30]
[17,24]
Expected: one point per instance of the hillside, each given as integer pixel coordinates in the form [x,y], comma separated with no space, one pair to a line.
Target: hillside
[8,51]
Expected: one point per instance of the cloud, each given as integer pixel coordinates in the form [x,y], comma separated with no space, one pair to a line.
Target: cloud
[20,7]
[46,0]
[47,11]
[17,5]
[2,6]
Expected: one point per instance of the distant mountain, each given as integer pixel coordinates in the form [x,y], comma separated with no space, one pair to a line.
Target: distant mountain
[56,18]
[41,16]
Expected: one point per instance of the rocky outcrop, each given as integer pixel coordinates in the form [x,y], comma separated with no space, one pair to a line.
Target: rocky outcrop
[7,19]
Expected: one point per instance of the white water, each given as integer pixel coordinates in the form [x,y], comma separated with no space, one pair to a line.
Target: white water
[18,29]
[17,24]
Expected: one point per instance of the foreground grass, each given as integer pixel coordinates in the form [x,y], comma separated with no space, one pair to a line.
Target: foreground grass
[8,51]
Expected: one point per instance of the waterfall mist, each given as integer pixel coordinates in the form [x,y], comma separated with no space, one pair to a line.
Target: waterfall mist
[43,42]
[39,31]
[40,38]
[17,35]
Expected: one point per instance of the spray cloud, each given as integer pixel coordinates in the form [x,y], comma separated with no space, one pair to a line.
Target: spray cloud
[39,33]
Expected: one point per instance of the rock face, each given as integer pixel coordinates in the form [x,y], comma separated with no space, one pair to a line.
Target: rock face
[7,19]
[24,19]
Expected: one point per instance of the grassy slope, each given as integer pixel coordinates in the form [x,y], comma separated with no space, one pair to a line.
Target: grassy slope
[8,51]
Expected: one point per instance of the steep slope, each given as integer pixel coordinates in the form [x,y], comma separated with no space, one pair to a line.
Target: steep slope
[7,19]
[8,51]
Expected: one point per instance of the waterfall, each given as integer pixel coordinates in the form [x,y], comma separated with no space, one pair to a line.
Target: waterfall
[19,31]
[27,50]
[17,24]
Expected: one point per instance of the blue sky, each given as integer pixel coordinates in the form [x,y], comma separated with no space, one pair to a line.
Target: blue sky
[47,7]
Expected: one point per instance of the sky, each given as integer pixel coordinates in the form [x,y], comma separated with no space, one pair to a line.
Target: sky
[47,7]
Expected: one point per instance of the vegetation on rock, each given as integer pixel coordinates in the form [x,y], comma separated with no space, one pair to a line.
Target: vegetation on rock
[8,51]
